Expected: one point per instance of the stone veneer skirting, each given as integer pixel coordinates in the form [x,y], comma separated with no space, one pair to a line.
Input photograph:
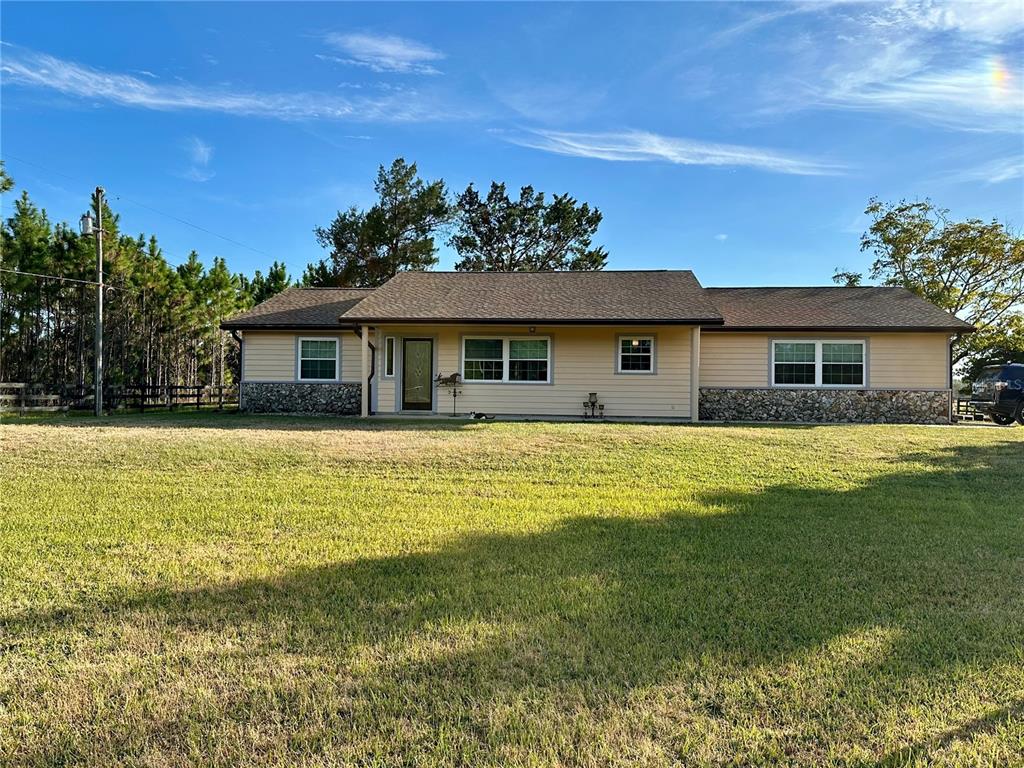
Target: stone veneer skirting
[294,397]
[878,406]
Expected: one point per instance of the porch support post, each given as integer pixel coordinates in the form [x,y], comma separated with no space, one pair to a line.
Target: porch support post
[695,374]
[364,354]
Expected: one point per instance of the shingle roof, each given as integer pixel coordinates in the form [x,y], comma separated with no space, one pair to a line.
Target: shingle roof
[538,297]
[655,297]
[832,307]
[316,308]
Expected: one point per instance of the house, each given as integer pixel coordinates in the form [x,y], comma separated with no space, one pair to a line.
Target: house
[649,344]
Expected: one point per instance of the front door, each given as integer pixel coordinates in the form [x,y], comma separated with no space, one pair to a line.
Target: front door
[417,374]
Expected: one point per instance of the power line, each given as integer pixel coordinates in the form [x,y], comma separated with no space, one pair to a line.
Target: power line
[56,277]
[136,290]
[126,199]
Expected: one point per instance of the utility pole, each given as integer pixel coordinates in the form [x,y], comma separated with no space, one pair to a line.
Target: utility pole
[89,229]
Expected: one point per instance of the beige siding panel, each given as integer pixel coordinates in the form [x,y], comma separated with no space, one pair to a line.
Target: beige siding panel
[386,395]
[385,386]
[271,355]
[351,365]
[582,361]
[909,361]
[733,359]
[895,360]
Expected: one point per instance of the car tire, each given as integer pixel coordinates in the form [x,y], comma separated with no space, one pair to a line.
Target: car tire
[1002,419]
[1020,415]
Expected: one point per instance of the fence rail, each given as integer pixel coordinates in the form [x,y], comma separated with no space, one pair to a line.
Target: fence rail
[964,411]
[23,397]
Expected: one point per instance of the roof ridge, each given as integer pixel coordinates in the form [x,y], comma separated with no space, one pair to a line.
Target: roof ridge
[801,287]
[533,272]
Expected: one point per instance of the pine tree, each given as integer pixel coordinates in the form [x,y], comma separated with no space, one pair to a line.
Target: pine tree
[368,248]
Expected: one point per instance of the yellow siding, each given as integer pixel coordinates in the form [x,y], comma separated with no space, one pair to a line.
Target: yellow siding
[351,365]
[385,386]
[909,361]
[895,360]
[271,356]
[733,360]
[582,361]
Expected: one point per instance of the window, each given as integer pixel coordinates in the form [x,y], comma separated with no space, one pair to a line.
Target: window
[636,354]
[517,360]
[389,357]
[318,359]
[528,360]
[842,364]
[795,363]
[818,363]
[483,360]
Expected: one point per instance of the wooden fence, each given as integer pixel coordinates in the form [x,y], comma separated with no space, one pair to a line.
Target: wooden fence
[40,397]
[964,411]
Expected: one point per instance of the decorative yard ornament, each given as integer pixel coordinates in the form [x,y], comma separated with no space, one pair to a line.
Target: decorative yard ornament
[453,383]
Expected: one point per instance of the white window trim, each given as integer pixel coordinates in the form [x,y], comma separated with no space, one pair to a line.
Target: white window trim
[504,359]
[819,362]
[618,354]
[389,340]
[337,357]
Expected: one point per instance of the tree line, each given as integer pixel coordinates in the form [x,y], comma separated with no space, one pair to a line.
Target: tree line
[161,322]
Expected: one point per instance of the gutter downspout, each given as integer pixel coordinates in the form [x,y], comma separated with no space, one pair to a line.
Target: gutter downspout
[373,361]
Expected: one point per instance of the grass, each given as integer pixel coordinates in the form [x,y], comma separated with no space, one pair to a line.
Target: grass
[213,589]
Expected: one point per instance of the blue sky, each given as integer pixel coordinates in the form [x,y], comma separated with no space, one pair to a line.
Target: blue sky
[741,140]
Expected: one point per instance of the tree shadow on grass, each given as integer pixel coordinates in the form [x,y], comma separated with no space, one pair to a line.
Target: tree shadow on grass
[551,643]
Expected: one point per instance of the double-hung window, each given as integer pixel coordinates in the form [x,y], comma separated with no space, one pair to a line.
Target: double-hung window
[507,360]
[483,360]
[795,363]
[318,359]
[813,363]
[527,359]
[635,354]
[842,364]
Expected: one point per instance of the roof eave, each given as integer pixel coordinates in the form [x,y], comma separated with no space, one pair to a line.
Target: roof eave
[849,328]
[252,326]
[528,321]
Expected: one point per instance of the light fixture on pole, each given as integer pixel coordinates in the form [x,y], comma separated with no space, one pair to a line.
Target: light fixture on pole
[89,227]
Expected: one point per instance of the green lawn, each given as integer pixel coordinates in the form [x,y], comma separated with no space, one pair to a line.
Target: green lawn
[214,589]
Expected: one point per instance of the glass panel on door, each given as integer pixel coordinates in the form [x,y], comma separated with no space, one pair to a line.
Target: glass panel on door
[417,374]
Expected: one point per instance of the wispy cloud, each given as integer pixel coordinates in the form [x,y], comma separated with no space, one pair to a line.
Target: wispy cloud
[721,238]
[993,172]
[385,53]
[200,151]
[551,102]
[992,21]
[200,154]
[953,65]
[29,68]
[986,96]
[641,146]
[764,18]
